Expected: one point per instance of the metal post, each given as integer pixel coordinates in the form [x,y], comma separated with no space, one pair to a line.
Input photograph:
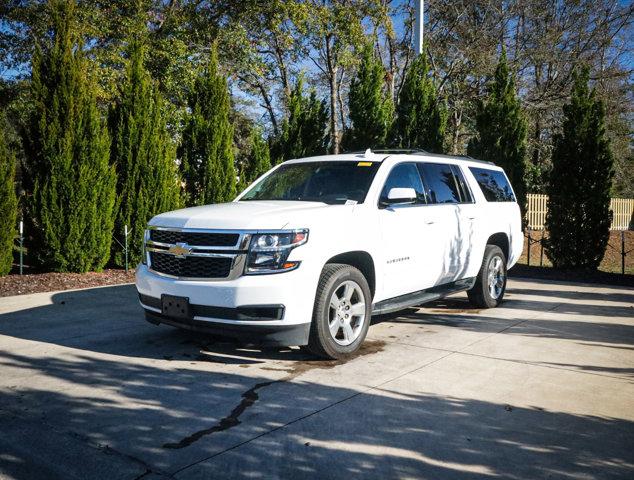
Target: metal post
[21,228]
[623,252]
[528,254]
[125,231]
[419,26]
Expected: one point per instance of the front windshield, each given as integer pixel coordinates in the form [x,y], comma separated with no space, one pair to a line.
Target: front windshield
[328,182]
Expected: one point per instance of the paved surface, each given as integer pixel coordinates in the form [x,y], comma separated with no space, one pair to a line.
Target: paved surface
[540,388]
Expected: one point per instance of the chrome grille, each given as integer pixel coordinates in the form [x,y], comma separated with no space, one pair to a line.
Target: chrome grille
[213,239]
[191,266]
[191,254]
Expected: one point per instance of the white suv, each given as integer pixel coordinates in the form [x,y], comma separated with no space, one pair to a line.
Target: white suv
[316,246]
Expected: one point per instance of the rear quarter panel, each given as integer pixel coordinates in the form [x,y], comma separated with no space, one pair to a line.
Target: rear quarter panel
[494,217]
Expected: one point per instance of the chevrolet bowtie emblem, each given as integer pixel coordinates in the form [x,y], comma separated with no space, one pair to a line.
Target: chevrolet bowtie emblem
[180,250]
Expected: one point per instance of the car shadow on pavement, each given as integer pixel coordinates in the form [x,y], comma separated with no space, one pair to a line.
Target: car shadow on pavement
[457,312]
[110,320]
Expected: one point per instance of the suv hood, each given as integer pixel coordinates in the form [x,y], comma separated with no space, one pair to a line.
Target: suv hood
[251,215]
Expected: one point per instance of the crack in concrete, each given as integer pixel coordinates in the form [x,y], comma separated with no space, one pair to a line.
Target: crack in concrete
[233,419]
[251,396]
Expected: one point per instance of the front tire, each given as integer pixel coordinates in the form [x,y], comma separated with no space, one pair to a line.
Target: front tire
[342,311]
[490,284]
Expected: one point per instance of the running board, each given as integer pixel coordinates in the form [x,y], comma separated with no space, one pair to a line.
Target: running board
[422,296]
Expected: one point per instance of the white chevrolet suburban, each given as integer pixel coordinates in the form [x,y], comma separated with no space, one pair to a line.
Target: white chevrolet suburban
[316,246]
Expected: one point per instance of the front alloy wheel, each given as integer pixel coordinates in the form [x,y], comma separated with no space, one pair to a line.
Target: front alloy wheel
[346,315]
[342,311]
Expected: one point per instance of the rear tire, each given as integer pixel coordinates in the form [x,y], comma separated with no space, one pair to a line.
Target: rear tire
[342,311]
[490,284]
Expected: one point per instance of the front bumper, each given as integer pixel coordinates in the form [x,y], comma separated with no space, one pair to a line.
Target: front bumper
[274,335]
[266,309]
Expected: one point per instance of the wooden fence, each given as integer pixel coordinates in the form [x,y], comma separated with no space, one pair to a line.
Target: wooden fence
[537,206]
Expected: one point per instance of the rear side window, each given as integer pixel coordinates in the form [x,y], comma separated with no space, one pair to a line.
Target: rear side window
[494,185]
[465,193]
[441,183]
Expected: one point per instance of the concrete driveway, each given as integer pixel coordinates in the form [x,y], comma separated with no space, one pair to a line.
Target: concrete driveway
[542,387]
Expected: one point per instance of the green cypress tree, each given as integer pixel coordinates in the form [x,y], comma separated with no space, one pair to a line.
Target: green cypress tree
[421,116]
[8,203]
[257,162]
[303,132]
[74,184]
[501,129]
[206,152]
[578,219]
[144,154]
[371,108]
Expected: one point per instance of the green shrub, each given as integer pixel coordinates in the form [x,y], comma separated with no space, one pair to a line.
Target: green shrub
[73,181]
[579,217]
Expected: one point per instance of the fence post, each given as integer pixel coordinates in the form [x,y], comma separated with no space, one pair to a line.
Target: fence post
[541,252]
[623,252]
[528,254]
[21,228]
[125,231]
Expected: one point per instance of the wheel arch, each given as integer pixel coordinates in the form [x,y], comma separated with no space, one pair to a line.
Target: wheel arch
[359,259]
[501,240]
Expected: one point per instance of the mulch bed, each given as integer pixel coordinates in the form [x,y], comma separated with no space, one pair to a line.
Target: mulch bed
[611,261]
[15,284]
[548,273]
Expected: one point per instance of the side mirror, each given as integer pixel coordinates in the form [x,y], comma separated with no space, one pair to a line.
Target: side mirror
[399,196]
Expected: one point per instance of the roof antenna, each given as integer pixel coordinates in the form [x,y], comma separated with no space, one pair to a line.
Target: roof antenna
[368,153]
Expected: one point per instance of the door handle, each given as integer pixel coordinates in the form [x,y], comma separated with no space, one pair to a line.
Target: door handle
[430,222]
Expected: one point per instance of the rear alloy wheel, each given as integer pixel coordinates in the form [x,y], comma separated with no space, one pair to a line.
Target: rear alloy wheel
[342,311]
[488,290]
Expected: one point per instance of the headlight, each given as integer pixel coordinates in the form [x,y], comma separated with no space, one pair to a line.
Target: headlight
[269,251]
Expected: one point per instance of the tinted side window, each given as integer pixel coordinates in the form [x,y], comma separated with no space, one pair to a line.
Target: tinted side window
[494,185]
[405,175]
[441,183]
[465,192]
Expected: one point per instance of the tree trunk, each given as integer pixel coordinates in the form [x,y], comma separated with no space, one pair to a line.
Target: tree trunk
[332,83]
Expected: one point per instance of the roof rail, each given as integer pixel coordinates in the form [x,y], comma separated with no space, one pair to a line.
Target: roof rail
[395,151]
[419,151]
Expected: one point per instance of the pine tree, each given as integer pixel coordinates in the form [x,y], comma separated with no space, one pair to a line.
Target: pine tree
[579,217]
[304,130]
[8,203]
[258,160]
[421,116]
[206,151]
[73,183]
[501,129]
[144,154]
[371,108]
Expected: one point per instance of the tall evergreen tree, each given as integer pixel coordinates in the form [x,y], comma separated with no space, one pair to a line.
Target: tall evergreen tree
[8,203]
[421,116]
[501,129]
[144,154]
[304,130]
[73,182]
[206,152]
[371,107]
[578,219]
[258,160]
